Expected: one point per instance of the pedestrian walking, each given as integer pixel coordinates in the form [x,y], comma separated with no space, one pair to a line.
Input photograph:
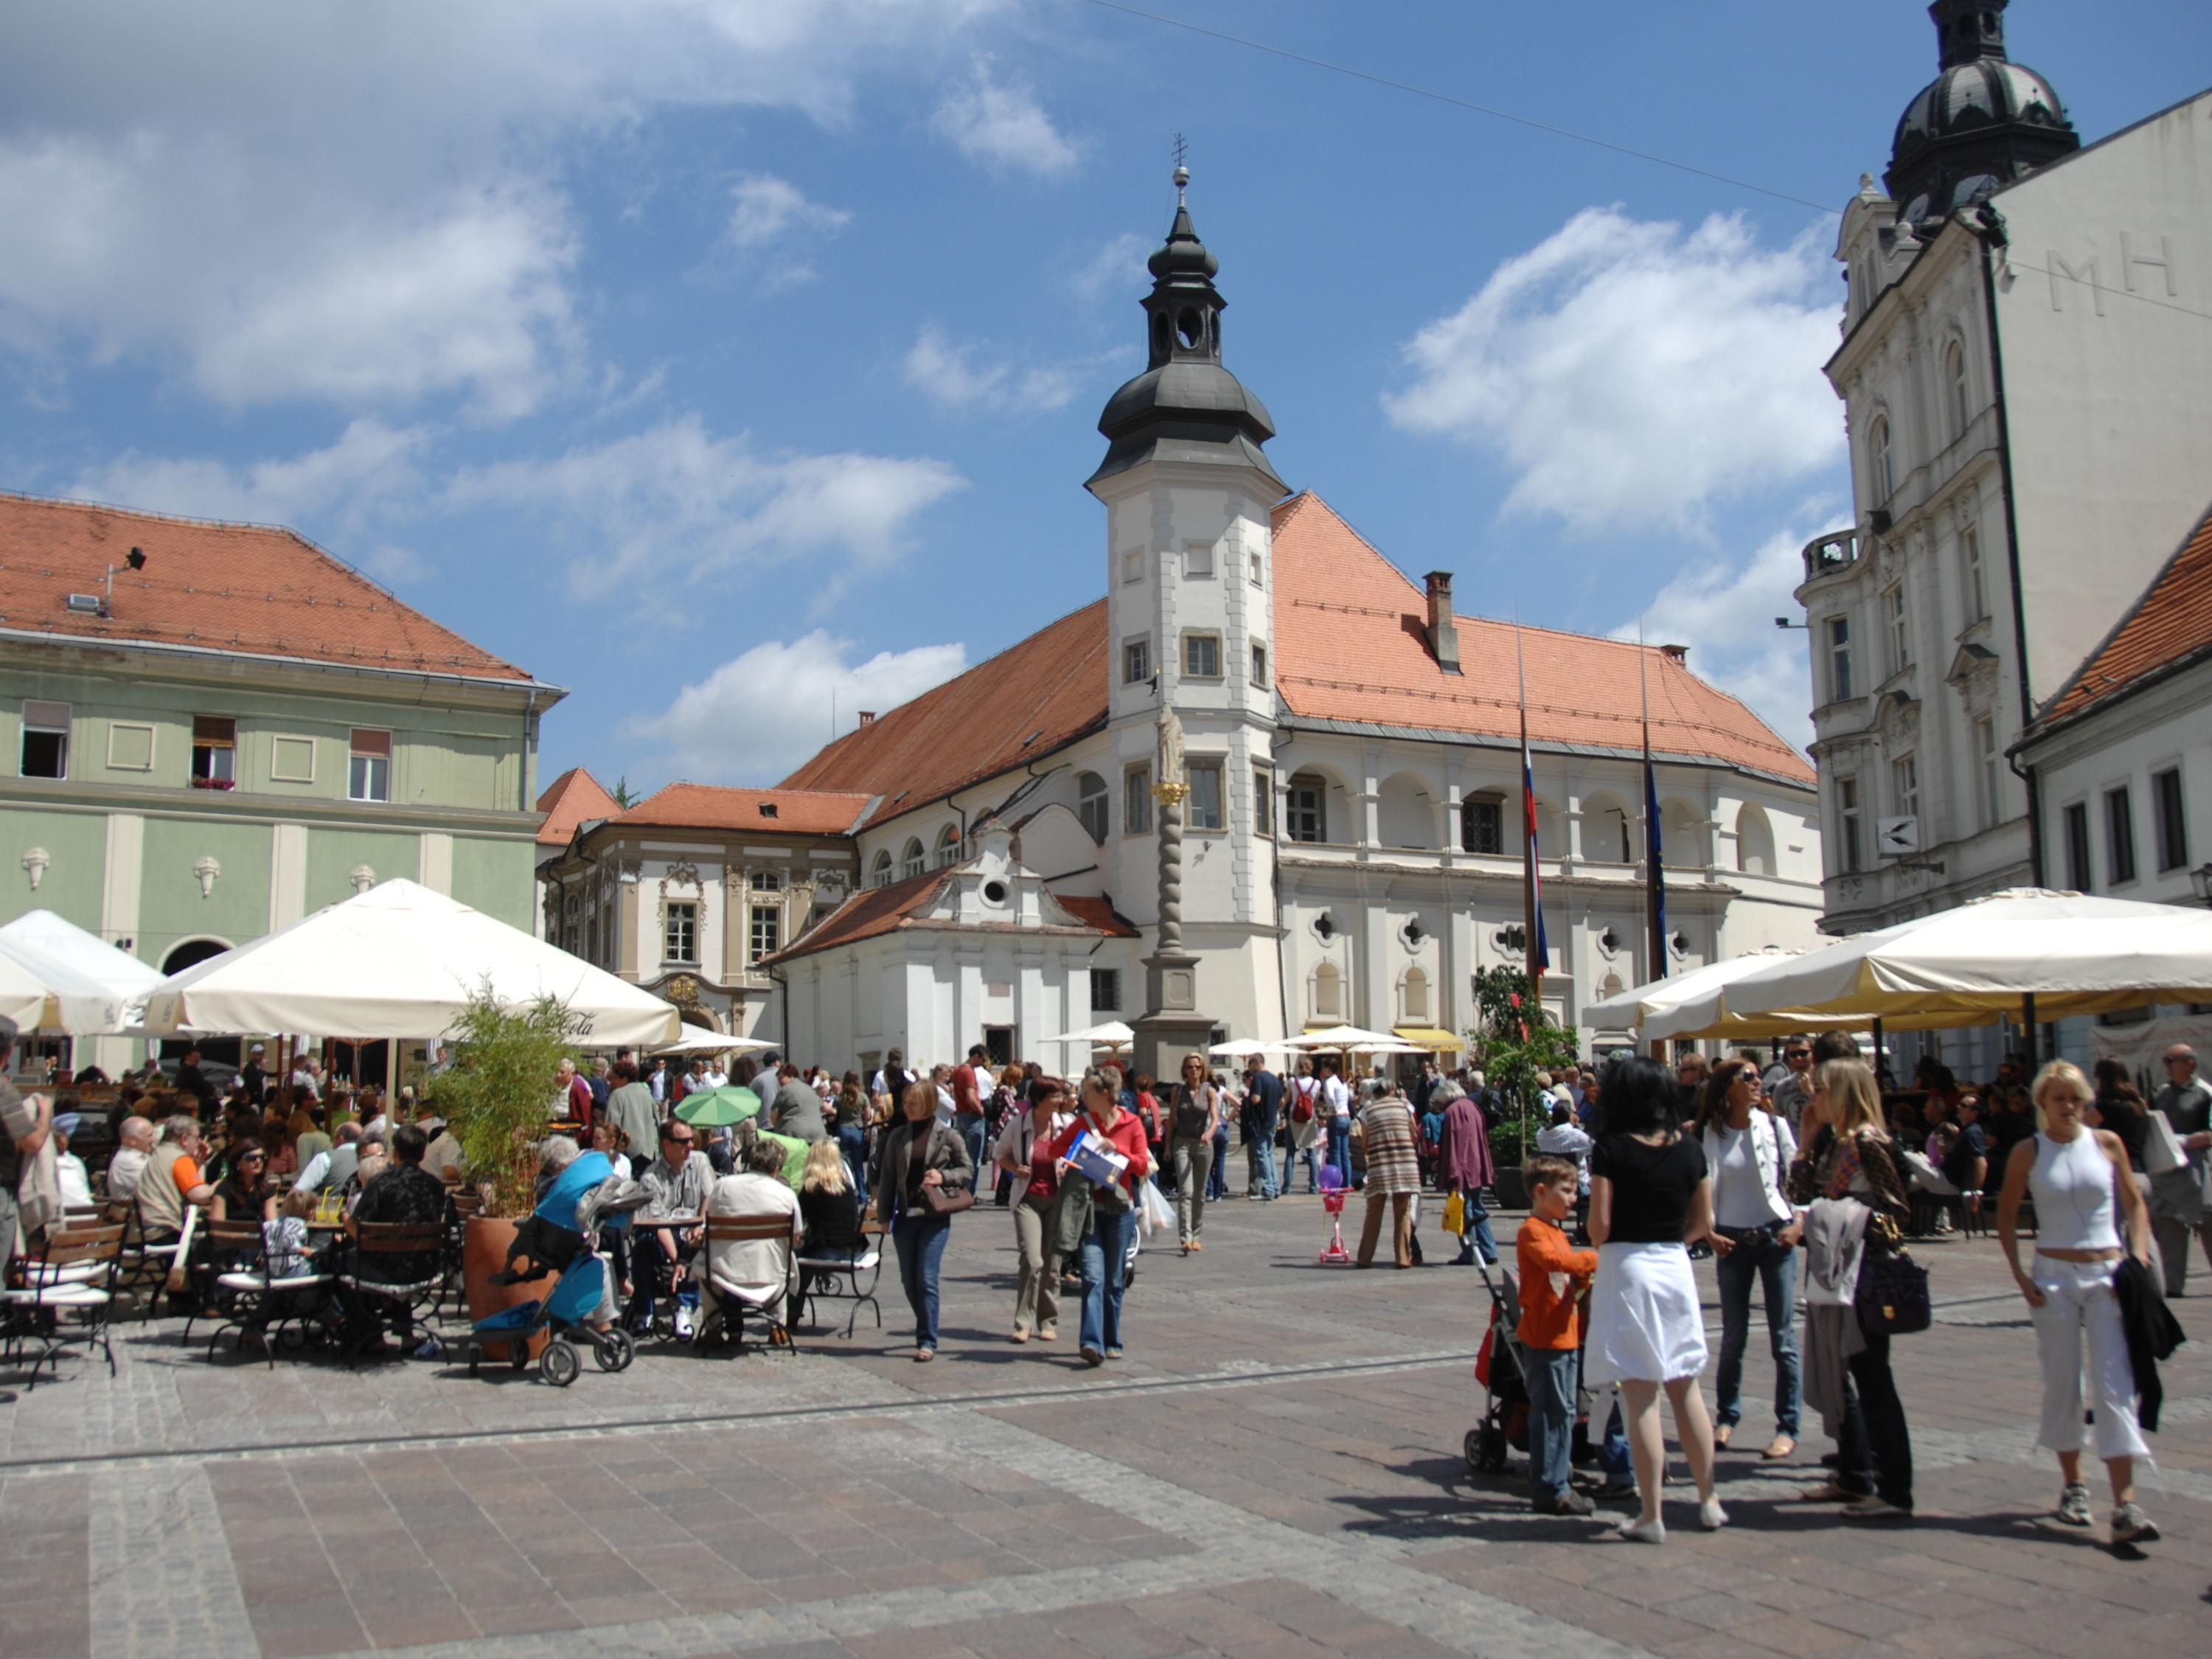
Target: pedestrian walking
[1390,1137]
[922,1171]
[1096,1220]
[1464,1167]
[1023,1156]
[1194,1112]
[1229,1099]
[2179,1197]
[2083,1190]
[1263,1107]
[1749,1149]
[1303,1130]
[1651,1196]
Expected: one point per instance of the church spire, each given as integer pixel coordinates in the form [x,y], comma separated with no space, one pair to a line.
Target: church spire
[1184,307]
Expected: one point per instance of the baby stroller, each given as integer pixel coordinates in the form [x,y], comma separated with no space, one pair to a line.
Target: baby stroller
[576,1295]
[1504,1425]
[1333,1191]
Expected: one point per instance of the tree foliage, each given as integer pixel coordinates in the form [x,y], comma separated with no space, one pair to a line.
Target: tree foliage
[1518,1040]
[497,1094]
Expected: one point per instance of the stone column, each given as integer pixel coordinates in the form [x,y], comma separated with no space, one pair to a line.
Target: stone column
[1171,1025]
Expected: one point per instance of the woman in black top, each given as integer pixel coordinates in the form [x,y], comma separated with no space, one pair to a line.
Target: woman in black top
[1651,1196]
[914,1156]
[2119,1108]
[829,1207]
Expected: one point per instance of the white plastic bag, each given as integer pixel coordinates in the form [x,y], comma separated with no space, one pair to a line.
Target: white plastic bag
[1153,1212]
[2162,1148]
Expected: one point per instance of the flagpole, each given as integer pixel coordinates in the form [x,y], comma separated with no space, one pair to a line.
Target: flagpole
[1655,891]
[1531,933]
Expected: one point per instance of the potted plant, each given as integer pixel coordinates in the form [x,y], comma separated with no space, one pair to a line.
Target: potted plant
[495,1097]
[1518,1040]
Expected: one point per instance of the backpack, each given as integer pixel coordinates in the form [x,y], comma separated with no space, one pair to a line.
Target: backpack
[1302,1107]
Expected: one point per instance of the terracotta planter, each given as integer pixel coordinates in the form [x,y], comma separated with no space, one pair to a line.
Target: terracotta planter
[484,1243]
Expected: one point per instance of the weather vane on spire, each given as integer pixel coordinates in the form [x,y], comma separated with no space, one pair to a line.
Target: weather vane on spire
[1181,172]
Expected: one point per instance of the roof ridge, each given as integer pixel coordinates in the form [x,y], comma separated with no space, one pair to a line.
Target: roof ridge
[2200,530]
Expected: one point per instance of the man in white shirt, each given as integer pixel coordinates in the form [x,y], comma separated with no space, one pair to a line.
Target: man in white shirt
[713,1077]
[659,1082]
[134,1143]
[892,1076]
[68,1169]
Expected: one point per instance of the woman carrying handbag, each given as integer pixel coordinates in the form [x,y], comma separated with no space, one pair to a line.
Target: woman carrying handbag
[922,1178]
[1097,1219]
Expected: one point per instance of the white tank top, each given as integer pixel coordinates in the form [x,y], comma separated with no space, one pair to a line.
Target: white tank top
[2072,1186]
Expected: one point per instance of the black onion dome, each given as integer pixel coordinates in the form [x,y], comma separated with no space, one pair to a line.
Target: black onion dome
[1982,122]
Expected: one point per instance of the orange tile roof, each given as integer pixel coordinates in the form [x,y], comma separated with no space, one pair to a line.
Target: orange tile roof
[2172,623]
[1027,700]
[574,798]
[1351,644]
[710,806]
[211,585]
[874,911]
[1099,914]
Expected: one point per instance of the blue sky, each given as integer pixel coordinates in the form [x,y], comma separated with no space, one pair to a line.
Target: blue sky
[712,359]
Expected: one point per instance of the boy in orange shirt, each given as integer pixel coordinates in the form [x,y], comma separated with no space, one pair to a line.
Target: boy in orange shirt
[1553,1276]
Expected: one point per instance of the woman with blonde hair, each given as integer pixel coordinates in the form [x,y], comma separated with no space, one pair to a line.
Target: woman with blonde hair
[2079,1180]
[1849,1156]
[829,1210]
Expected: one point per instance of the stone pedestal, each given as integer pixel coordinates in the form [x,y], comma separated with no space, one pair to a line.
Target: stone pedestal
[1171,1025]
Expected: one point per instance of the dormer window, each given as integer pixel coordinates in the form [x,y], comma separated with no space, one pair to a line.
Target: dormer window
[767,809]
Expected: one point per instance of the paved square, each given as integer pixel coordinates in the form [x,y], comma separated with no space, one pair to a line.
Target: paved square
[1274,1469]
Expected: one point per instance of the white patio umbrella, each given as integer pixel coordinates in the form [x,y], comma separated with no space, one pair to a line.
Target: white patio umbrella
[398,961]
[41,936]
[46,996]
[1684,1005]
[1111,1034]
[2073,954]
[697,1040]
[1393,1048]
[1245,1048]
[1339,1036]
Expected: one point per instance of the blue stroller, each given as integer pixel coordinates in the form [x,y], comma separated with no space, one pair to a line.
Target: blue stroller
[576,1294]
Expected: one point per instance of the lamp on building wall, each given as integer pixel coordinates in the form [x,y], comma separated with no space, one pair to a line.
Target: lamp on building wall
[2200,879]
[35,862]
[207,870]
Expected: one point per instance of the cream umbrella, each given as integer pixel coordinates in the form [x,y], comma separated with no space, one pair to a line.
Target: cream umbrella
[1339,1036]
[697,1040]
[2068,952]
[398,961]
[45,996]
[1685,1006]
[1246,1048]
[40,936]
[1111,1034]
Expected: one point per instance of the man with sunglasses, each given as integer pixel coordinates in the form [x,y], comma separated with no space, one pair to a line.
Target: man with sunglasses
[1795,1088]
[2178,1203]
[677,1182]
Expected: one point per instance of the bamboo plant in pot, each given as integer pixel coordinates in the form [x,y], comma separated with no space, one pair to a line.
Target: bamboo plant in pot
[496,1097]
[1518,1041]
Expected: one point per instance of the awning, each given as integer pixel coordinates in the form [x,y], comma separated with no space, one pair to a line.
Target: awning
[1430,1036]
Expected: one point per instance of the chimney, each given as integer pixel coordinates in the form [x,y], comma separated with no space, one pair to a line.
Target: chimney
[867,717]
[1444,632]
[1680,652]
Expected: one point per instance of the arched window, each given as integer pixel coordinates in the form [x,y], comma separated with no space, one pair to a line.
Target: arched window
[913,860]
[1754,840]
[1884,460]
[948,847]
[1328,992]
[1607,837]
[1413,997]
[1091,804]
[880,874]
[1305,813]
[1682,834]
[1955,377]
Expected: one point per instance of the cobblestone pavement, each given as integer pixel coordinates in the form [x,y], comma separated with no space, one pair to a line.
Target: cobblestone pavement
[1275,1469]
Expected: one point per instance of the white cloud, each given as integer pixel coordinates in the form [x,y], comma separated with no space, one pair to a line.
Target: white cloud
[1725,611]
[674,503]
[954,376]
[1002,125]
[1631,375]
[765,209]
[365,205]
[372,473]
[755,717]
[397,566]
[1117,269]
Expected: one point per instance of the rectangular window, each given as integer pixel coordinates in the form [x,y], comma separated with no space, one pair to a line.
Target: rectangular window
[1986,775]
[1201,656]
[215,751]
[1904,785]
[1203,804]
[2120,837]
[1105,990]
[45,740]
[681,943]
[1136,661]
[1137,800]
[767,881]
[1132,565]
[2078,876]
[1263,801]
[1900,629]
[1198,561]
[1305,815]
[1258,667]
[1482,826]
[2172,827]
[1853,852]
[1258,571]
[766,931]
[1970,560]
[1840,660]
[369,777]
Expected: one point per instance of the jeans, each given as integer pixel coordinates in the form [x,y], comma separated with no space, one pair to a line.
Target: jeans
[852,1142]
[1339,1146]
[1260,1155]
[1104,1253]
[973,1131]
[1217,1185]
[1874,1450]
[921,1242]
[1290,1155]
[1757,1255]
[1477,1235]
[1194,1164]
[1551,1420]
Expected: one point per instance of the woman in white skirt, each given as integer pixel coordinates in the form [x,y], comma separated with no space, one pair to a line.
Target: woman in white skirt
[1651,1196]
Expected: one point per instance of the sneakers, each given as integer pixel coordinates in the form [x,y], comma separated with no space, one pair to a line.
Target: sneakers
[1092,1356]
[2074,1505]
[683,1323]
[1710,1516]
[2132,1526]
[1643,1532]
[1567,1503]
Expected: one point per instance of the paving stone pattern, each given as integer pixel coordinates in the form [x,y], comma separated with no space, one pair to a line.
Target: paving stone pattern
[1274,1469]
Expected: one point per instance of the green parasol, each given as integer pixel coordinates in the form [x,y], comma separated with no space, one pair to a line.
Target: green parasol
[719,1108]
[794,1156]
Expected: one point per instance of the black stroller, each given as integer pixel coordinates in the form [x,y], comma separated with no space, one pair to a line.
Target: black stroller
[1504,1425]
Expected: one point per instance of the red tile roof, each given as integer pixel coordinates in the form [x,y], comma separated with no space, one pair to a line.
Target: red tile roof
[1098,914]
[1026,702]
[574,798]
[708,806]
[212,585]
[874,911]
[2172,623]
[1349,645]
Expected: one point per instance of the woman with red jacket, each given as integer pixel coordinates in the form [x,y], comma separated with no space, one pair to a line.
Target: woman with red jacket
[1105,1243]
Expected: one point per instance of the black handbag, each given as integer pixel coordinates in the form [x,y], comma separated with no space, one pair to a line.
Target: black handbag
[1891,1297]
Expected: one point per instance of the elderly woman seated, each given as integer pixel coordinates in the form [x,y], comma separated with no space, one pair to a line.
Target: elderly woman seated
[756,1273]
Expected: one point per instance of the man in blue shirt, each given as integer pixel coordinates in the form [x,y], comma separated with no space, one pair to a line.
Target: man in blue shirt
[1263,1110]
